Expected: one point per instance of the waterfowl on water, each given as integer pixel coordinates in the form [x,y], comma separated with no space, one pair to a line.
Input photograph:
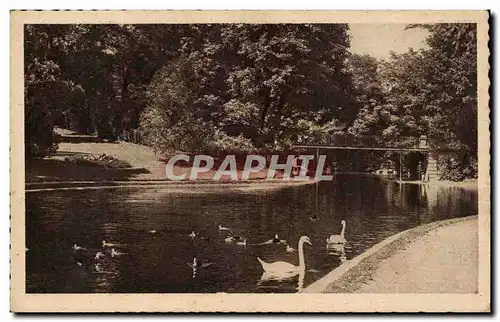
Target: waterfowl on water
[85,257]
[242,243]
[116,253]
[231,239]
[77,248]
[106,244]
[281,268]
[313,218]
[153,231]
[207,239]
[192,235]
[195,264]
[338,239]
[222,228]
[275,240]
[290,249]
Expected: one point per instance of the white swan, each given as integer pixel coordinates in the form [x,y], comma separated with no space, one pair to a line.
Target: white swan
[192,235]
[290,249]
[338,239]
[283,268]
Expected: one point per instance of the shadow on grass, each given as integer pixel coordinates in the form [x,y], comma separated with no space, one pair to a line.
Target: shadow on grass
[60,170]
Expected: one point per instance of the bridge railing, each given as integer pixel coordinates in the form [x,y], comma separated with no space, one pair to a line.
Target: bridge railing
[361,141]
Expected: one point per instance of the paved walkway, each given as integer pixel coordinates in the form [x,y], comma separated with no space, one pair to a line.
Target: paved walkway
[445,260]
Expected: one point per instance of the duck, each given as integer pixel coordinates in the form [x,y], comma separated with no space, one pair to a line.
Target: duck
[106,244]
[222,228]
[116,253]
[242,243]
[77,248]
[338,239]
[98,268]
[276,240]
[207,238]
[192,235]
[85,257]
[195,264]
[231,239]
[313,218]
[290,249]
[152,231]
[281,268]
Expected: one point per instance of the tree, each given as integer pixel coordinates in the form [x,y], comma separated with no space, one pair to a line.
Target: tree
[47,93]
[258,85]
[429,92]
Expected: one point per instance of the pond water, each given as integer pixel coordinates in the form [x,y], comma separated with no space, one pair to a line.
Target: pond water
[151,227]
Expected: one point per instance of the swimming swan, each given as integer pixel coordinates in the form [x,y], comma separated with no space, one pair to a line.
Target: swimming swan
[284,268]
[338,239]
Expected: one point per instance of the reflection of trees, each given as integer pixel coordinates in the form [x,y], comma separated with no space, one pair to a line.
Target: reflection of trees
[58,219]
[447,202]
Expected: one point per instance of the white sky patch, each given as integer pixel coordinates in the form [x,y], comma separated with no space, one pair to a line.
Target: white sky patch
[378,40]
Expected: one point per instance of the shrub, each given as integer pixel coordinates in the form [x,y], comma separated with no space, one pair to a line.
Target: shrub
[101,160]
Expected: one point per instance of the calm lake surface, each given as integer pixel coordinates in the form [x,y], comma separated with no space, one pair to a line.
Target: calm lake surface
[157,262]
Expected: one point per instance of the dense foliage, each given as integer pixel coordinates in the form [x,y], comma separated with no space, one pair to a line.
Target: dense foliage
[429,92]
[239,88]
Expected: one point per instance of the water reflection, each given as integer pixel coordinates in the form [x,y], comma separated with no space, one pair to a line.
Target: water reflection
[152,227]
[292,280]
[336,250]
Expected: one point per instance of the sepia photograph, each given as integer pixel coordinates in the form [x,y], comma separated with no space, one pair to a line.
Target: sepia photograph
[310,162]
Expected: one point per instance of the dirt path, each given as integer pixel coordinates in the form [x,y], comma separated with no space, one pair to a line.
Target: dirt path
[444,260]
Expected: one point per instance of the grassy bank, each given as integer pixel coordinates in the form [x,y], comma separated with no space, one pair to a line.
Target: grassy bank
[88,158]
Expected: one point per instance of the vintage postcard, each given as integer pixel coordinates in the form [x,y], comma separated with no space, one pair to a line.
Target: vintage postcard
[250,161]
